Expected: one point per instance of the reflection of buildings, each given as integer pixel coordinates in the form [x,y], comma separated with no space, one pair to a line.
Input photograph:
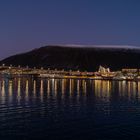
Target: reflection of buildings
[72,89]
[34,87]
[10,90]
[84,86]
[41,90]
[63,87]
[27,88]
[103,89]
[71,86]
[129,89]
[48,87]
[3,92]
[103,94]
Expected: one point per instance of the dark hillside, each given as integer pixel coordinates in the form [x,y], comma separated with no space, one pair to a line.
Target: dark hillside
[75,58]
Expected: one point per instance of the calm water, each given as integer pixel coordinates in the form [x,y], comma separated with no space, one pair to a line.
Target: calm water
[69,109]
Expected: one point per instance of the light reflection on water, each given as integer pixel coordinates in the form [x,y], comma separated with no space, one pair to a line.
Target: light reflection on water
[65,107]
[24,89]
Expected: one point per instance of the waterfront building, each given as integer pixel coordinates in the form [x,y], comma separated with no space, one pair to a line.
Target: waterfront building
[130,70]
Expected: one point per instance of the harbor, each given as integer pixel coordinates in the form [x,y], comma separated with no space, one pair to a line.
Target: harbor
[102,73]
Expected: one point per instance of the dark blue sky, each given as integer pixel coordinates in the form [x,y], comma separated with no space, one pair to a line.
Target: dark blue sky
[28,24]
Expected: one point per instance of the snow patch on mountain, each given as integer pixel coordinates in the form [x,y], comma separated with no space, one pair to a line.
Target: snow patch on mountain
[98,46]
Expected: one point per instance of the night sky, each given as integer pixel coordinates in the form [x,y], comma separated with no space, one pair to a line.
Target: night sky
[28,24]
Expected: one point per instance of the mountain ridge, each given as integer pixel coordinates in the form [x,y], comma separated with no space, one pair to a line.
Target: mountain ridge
[77,58]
